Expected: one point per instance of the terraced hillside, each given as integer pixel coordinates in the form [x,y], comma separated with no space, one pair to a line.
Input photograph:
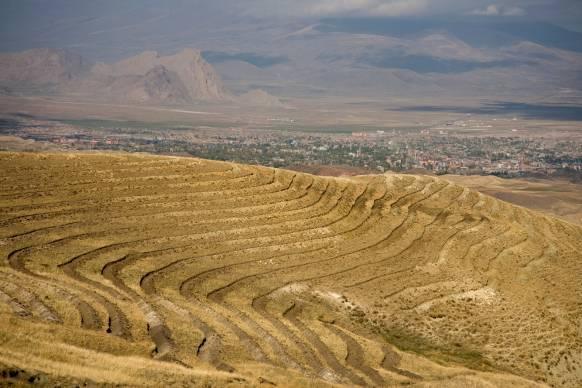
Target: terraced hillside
[143,270]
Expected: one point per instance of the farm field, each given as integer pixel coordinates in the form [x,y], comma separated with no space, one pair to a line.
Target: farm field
[148,270]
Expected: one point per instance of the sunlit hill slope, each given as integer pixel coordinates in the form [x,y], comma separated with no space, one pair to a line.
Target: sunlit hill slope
[144,270]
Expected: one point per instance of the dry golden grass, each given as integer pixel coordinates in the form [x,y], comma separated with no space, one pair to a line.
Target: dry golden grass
[557,197]
[144,270]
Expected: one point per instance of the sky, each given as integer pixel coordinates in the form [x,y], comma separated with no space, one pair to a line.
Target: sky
[105,29]
[565,13]
[391,8]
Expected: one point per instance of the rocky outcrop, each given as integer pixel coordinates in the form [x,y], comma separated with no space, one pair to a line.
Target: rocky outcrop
[197,78]
[145,78]
[157,86]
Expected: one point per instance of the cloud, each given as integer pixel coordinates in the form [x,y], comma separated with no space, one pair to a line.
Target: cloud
[491,10]
[496,10]
[547,10]
[514,11]
[401,8]
[322,8]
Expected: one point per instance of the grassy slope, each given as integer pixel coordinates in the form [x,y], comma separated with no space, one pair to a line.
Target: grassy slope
[558,198]
[144,269]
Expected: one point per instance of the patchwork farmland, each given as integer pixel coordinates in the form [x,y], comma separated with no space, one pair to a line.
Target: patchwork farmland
[148,270]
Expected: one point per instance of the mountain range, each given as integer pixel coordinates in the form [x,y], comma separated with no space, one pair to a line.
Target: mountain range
[361,58]
[147,78]
[315,61]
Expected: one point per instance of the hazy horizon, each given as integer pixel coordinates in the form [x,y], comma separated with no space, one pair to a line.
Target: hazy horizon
[372,48]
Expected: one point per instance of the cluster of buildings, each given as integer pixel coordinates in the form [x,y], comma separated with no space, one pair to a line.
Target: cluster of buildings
[436,151]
